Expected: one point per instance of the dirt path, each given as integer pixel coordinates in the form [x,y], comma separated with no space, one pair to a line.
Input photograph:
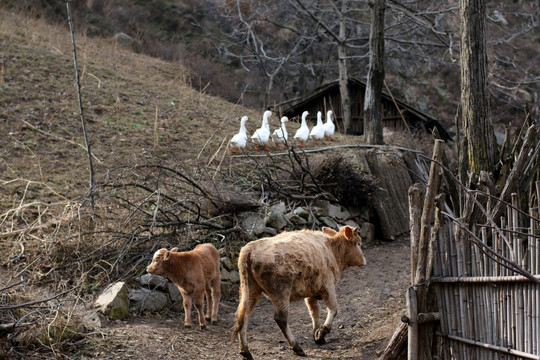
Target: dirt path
[371,303]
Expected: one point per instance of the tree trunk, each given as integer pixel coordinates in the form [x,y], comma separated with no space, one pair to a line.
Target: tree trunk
[372,102]
[480,149]
[342,67]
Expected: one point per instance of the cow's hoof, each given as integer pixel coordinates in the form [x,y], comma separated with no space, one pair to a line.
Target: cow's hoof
[246,354]
[319,335]
[213,322]
[187,326]
[298,350]
[203,327]
[207,318]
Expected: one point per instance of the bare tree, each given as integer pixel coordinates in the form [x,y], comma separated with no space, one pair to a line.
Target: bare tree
[338,23]
[372,104]
[260,37]
[479,144]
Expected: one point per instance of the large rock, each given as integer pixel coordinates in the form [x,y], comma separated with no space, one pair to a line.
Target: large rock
[276,220]
[227,263]
[367,233]
[127,42]
[301,212]
[391,204]
[296,219]
[280,207]
[113,302]
[329,222]
[148,300]
[173,291]
[153,281]
[254,224]
[334,211]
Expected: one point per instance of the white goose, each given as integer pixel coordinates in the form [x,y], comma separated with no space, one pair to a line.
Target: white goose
[280,136]
[329,126]
[262,134]
[239,140]
[317,133]
[302,134]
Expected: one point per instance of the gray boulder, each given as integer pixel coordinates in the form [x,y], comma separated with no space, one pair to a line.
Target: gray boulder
[227,263]
[113,301]
[334,211]
[280,207]
[276,220]
[328,222]
[301,212]
[153,281]
[148,300]
[254,224]
[173,291]
[367,232]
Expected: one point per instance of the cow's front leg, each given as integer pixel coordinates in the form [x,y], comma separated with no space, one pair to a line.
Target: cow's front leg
[186,299]
[332,308]
[313,307]
[281,316]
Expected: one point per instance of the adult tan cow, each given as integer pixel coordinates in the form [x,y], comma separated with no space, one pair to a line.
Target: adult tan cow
[293,266]
[195,273]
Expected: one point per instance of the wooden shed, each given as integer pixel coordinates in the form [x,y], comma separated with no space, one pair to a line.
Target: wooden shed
[328,97]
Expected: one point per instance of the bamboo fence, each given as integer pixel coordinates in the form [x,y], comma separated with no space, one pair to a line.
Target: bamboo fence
[488,285]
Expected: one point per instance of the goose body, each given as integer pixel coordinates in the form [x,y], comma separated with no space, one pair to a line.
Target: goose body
[329,127]
[317,133]
[239,140]
[280,135]
[261,136]
[302,134]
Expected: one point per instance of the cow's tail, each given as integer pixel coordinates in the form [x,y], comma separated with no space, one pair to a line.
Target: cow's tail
[241,312]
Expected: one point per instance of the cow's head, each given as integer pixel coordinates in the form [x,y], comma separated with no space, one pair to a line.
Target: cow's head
[351,241]
[160,258]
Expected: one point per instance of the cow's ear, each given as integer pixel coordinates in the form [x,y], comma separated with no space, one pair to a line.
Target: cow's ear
[328,231]
[166,255]
[348,232]
[174,250]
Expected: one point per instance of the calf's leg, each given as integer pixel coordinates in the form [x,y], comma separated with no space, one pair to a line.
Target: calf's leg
[199,305]
[281,316]
[216,296]
[209,302]
[186,299]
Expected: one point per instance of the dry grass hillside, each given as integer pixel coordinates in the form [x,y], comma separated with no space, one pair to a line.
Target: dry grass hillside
[136,107]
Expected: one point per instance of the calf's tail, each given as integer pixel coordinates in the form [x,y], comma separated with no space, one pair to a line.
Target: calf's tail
[241,312]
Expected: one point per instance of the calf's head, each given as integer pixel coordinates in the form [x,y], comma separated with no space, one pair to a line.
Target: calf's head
[351,243]
[161,257]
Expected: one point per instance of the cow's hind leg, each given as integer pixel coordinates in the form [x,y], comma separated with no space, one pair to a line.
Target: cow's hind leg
[281,316]
[332,308]
[209,302]
[254,295]
[313,308]
[216,296]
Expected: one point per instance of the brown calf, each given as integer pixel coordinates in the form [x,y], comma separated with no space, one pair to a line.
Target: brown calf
[290,267]
[195,273]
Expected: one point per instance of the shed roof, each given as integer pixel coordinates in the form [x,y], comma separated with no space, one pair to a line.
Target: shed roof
[417,118]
